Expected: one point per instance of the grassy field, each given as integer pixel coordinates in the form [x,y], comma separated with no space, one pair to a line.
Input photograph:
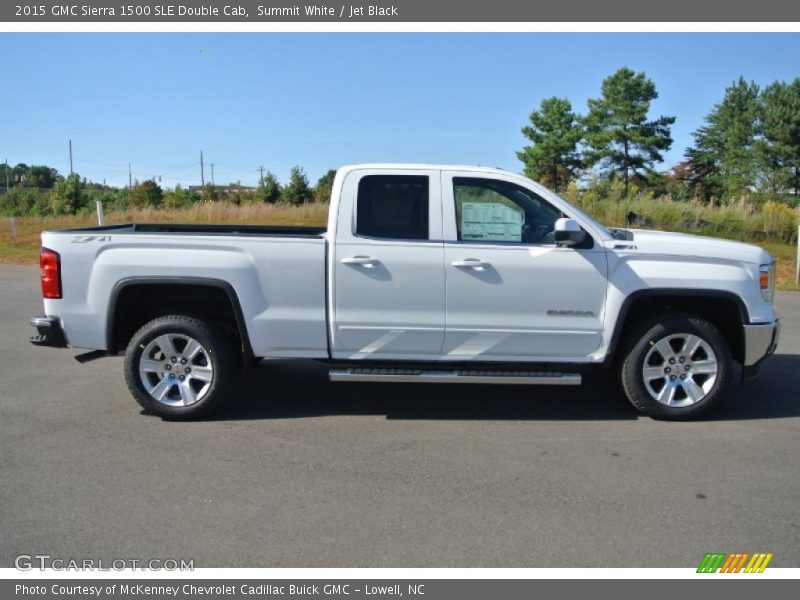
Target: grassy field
[26,250]
[772,227]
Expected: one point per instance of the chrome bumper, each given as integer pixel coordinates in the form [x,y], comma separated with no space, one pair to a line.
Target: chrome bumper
[760,341]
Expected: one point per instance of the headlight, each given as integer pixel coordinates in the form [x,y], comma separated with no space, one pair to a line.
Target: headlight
[766,281]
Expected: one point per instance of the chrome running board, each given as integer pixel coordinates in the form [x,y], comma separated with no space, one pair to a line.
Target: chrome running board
[464,376]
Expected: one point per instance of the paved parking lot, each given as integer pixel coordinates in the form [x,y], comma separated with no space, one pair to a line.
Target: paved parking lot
[301,472]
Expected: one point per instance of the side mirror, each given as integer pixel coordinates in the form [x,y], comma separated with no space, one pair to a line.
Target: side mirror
[569,233]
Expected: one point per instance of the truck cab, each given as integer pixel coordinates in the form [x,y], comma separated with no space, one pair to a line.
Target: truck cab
[455,265]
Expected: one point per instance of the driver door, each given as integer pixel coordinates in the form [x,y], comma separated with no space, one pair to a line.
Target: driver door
[511,293]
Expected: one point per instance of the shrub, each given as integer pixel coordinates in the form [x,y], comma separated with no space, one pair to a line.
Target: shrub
[269,189]
[179,198]
[297,191]
[147,193]
[69,195]
[19,201]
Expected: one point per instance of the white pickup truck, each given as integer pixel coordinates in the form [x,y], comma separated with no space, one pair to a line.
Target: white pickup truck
[435,274]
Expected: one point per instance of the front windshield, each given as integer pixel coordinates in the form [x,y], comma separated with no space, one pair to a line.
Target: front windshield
[599,227]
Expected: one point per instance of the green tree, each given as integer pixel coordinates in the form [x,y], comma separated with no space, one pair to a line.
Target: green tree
[179,198]
[619,136]
[34,176]
[269,189]
[41,176]
[324,187]
[235,194]
[210,193]
[6,173]
[725,160]
[69,195]
[112,198]
[555,132]
[19,202]
[297,190]
[780,126]
[146,193]
[19,174]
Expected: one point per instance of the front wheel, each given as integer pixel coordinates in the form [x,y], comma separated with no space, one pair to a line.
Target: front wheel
[178,367]
[676,366]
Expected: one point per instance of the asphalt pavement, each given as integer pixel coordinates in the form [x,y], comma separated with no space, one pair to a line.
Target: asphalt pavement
[300,472]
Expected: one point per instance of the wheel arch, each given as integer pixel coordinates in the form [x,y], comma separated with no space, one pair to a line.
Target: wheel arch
[725,310]
[220,302]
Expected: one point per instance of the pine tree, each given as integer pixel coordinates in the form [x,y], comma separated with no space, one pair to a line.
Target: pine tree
[619,137]
[147,193]
[780,123]
[324,187]
[69,195]
[725,159]
[555,132]
[269,189]
[297,190]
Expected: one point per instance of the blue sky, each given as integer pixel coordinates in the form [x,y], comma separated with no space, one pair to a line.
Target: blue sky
[323,100]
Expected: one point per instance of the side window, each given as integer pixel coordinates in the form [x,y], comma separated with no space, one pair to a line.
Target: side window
[393,207]
[490,210]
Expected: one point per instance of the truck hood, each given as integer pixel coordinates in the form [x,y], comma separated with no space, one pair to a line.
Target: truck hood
[687,245]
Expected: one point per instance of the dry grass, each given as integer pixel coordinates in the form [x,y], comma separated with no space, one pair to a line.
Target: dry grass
[786,255]
[722,223]
[29,229]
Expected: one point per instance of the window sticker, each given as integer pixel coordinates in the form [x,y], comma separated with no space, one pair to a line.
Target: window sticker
[491,221]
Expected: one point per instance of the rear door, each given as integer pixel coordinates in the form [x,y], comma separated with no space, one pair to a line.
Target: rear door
[387,275]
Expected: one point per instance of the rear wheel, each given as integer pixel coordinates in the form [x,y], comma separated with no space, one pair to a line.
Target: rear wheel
[676,367]
[178,367]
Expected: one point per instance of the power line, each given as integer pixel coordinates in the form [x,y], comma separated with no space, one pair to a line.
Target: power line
[185,165]
[173,172]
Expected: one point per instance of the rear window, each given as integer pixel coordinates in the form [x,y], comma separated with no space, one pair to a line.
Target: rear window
[393,207]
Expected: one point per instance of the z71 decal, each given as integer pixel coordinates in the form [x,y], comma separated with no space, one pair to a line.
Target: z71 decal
[82,239]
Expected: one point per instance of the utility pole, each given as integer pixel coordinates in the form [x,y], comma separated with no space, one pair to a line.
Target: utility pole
[70,157]
[130,177]
[6,174]
[212,173]
[261,179]
[202,171]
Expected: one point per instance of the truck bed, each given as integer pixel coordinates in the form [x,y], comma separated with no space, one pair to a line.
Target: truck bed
[277,274]
[204,229]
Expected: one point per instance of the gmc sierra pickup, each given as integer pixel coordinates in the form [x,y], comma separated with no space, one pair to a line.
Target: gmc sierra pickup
[434,274]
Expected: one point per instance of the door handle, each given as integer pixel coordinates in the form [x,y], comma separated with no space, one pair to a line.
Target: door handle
[366,261]
[470,263]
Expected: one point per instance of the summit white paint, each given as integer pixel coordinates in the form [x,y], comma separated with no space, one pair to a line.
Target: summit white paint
[353,297]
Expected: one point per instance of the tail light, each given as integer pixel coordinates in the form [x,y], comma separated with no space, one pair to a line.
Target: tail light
[50,264]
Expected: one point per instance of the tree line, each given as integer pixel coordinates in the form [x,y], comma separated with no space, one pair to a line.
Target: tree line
[39,191]
[748,146]
[749,142]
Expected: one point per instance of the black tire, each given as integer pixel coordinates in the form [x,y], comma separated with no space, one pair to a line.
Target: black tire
[669,328]
[214,359]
